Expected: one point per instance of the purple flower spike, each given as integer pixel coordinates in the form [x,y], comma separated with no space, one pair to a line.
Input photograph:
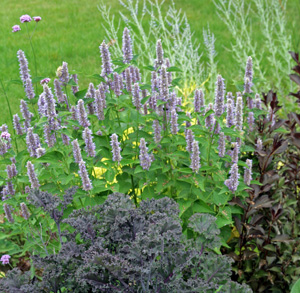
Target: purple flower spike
[248,172]
[49,102]
[222,145]
[86,182]
[230,117]
[219,96]
[8,216]
[58,91]
[65,139]
[29,89]
[163,85]
[25,211]
[145,160]
[156,131]
[169,74]
[174,123]
[136,100]
[14,171]
[257,102]
[25,113]
[117,88]
[235,152]
[195,157]
[9,172]
[5,258]
[247,86]
[106,61]
[89,144]
[76,151]
[239,113]
[159,54]
[25,18]
[127,46]
[233,181]
[209,120]
[23,64]
[75,88]
[32,143]
[37,18]
[65,73]
[40,152]
[251,120]
[99,105]
[10,188]
[82,115]
[189,137]
[49,137]
[32,176]
[198,101]
[116,150]
[249,69]
[16,28]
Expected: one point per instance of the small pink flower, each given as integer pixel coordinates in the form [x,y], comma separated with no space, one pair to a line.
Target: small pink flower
[5,259]
[37,18]
[5,135]
[16,28]
[45,80]
[25,18]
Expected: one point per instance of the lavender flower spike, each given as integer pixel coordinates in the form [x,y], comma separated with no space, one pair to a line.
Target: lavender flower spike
[25,113]
[136,100]
[127,46]
[248,172]
[235,152]
[58,91]
[209,120]
[32,176]
[159,54]
[249,69]
[239,113]
[116,150]
[189,137]
[145,159]
[89,144]
[195,157]
[257,102]
[233,181]
[163,85]
[174,123]
[259,145]
[8,213]
[106,60]
[247,86]
[222,146]
[99,105]
[86,182]
[156,131]
[31,142]
[76,151]
[23,63]
[117,88]
[128,80]
[219,96]
[251,120]
[25,211]
[50,102]
[198,101]
[49,137]
[75,88]
[29,89]
[17,124]
[65,73]
[230,117]
[82,115]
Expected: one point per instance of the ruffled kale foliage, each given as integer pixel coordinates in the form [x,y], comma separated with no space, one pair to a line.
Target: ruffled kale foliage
[116,247]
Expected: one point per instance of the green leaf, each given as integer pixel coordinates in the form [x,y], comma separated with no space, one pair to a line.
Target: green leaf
[97,76]
[174,69]
[15,81]
[54,157]
[81,94]
[110,175]
[176,81]
[296,287]
[72,82]
[120,69]
[149,67]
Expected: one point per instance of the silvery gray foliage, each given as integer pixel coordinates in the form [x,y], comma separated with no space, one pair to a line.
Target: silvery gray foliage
[117,247]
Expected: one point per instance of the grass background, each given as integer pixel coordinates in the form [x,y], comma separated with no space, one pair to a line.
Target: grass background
[71,31]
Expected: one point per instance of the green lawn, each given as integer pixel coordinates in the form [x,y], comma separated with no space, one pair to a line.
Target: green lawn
[71,31]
